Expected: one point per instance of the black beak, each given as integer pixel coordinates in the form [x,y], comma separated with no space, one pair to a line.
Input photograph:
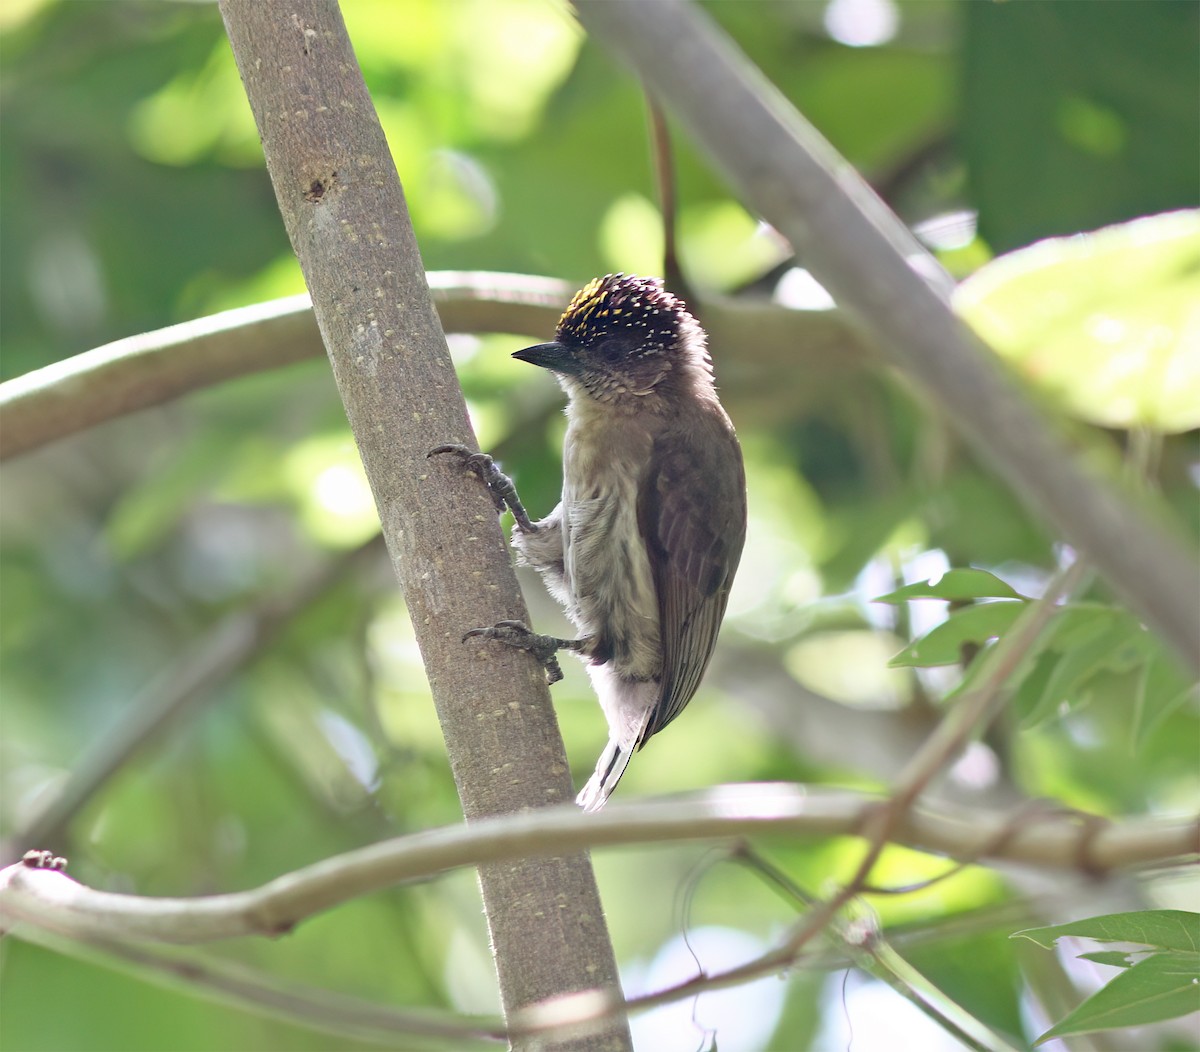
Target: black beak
[550,356]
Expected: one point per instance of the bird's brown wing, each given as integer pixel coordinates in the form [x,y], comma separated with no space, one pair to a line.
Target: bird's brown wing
[692,513]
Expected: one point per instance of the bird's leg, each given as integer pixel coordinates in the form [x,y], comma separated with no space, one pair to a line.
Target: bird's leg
[512,633]
[543,648]
[500,487]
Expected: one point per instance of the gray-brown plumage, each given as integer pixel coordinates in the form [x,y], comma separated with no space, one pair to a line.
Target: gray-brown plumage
[643,548]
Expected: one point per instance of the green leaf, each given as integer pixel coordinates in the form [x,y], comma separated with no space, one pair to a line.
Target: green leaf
[1089,640]
[1162,929]
[968,583]
[1162,688]
[943,645]
[1054,146]
[1163,986]
[1116,958]
[1032,686]
[1105,322]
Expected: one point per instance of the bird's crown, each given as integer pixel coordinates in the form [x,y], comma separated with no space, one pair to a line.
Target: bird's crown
[619,305]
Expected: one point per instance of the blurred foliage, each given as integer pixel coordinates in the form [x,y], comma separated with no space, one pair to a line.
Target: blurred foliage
[1109,324]
[1094,103]
[132,195]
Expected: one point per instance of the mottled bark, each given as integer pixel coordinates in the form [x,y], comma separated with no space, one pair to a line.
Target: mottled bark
[345,213]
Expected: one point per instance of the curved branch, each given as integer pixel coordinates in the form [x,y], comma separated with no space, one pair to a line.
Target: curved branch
[1058,840]
[155,367]
[784,170]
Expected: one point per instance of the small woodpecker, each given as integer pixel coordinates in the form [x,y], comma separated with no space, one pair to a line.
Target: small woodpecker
[642,549]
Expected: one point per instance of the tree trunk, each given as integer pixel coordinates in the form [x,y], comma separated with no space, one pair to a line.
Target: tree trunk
[345,214]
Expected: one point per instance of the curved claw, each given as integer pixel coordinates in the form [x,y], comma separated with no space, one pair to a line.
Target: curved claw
[499,485]
[449,447]
[480,463]
[516,634]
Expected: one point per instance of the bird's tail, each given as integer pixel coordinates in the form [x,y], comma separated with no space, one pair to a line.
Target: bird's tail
[609,768]
[628,705]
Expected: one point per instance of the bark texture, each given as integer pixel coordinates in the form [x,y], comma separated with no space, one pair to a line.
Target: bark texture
[345,213]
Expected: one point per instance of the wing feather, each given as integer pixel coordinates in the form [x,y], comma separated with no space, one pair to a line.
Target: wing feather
[692,512]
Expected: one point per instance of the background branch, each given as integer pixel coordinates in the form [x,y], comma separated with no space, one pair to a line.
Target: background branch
[857,249]
[297,1004]
[1055,839]
[153,368]
[227,647]
[197,973]
[346,217]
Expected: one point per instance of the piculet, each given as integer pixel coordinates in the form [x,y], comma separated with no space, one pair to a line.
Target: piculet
[643,547]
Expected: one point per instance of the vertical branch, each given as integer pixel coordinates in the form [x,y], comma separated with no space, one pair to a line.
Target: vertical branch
[344,210]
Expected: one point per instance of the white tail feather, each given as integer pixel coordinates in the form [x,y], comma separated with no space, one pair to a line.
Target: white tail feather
[609,768]
[627,705]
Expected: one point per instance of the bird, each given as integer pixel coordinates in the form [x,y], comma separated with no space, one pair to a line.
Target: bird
[643,547]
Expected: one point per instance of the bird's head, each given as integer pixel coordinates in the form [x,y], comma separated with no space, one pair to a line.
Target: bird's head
[623,338]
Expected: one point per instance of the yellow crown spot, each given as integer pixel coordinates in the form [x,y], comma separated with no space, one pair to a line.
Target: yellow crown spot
[585,301]
[620,305]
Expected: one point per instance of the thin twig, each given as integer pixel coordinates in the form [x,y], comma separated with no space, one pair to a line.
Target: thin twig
[195,973]
[154,367]
[664,178]
[971,714]
[869,951]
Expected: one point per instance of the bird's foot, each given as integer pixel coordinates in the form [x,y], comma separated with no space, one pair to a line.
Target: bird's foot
[543,648]
[499,486]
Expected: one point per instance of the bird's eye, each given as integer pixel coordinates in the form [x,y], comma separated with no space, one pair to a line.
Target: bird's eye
[610,351]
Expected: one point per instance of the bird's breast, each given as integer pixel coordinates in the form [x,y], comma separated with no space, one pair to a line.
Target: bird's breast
[608,576]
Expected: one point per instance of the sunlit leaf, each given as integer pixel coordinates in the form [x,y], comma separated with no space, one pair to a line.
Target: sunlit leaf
[1108,322]
[127,205]
[1115,958]
[1162,986]
[968,583]
[974,625]
[1088,643]
[1162,929]
[1088,639]
[1033,684]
